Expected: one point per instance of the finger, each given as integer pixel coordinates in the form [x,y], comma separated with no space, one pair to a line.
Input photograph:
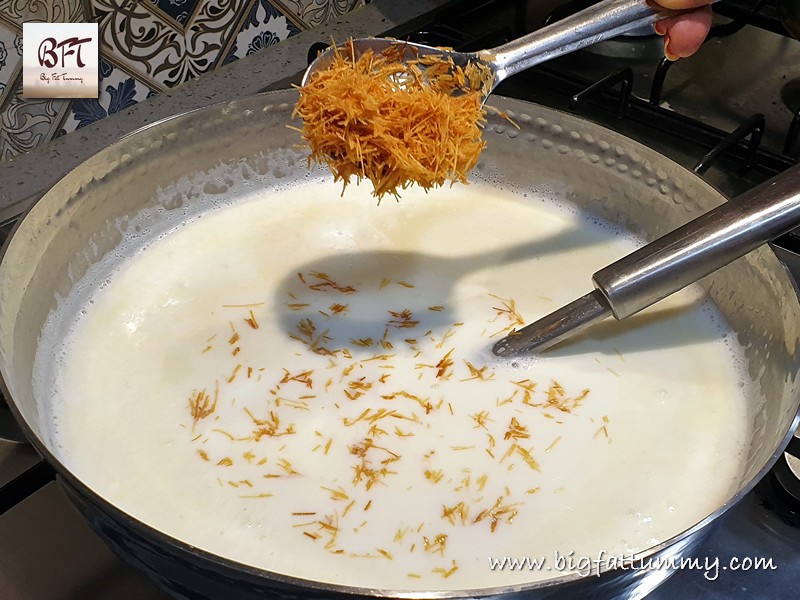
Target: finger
[684,35]
[683,4]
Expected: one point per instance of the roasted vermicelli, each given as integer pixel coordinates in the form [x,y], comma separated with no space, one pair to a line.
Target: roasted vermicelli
[394,122]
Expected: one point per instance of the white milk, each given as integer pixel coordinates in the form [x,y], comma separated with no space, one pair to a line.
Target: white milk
[407,456]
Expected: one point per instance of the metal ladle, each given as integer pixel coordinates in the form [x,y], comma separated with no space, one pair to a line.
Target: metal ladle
[670,263]
[599,22]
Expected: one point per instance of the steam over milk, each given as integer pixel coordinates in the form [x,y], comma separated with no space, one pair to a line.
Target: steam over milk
[303,382]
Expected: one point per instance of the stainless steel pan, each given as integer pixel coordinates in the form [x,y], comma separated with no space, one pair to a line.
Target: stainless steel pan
[119,200]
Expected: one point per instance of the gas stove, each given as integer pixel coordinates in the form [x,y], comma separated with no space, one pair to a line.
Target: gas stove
[731,113]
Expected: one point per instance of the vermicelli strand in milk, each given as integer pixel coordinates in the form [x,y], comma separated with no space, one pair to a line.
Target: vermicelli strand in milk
[302,382]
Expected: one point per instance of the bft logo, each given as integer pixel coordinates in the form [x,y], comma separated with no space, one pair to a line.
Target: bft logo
[60,60]
[48,57]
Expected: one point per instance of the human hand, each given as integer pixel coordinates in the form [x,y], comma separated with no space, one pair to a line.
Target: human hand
[683,35]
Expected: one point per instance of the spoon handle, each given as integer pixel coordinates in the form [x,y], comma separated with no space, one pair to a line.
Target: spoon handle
[702,246]
[671,262]
[599,22]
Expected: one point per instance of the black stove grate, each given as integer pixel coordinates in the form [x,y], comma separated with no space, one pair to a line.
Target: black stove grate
[758,13]
[610,102]
[25,485]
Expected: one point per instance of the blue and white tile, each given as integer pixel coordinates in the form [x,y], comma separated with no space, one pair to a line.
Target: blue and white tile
[10,59]
[264,26]
[26,123]
[311,13]
[157,48]
[180,10]
[118,91]
[42,11]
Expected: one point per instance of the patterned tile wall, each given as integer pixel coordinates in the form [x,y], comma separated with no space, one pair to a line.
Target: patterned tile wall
[146,47]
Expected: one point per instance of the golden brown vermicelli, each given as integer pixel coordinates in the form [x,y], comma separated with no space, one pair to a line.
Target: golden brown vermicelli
[394,123]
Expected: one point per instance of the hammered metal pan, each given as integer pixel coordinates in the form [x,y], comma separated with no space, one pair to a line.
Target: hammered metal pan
[147,182]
